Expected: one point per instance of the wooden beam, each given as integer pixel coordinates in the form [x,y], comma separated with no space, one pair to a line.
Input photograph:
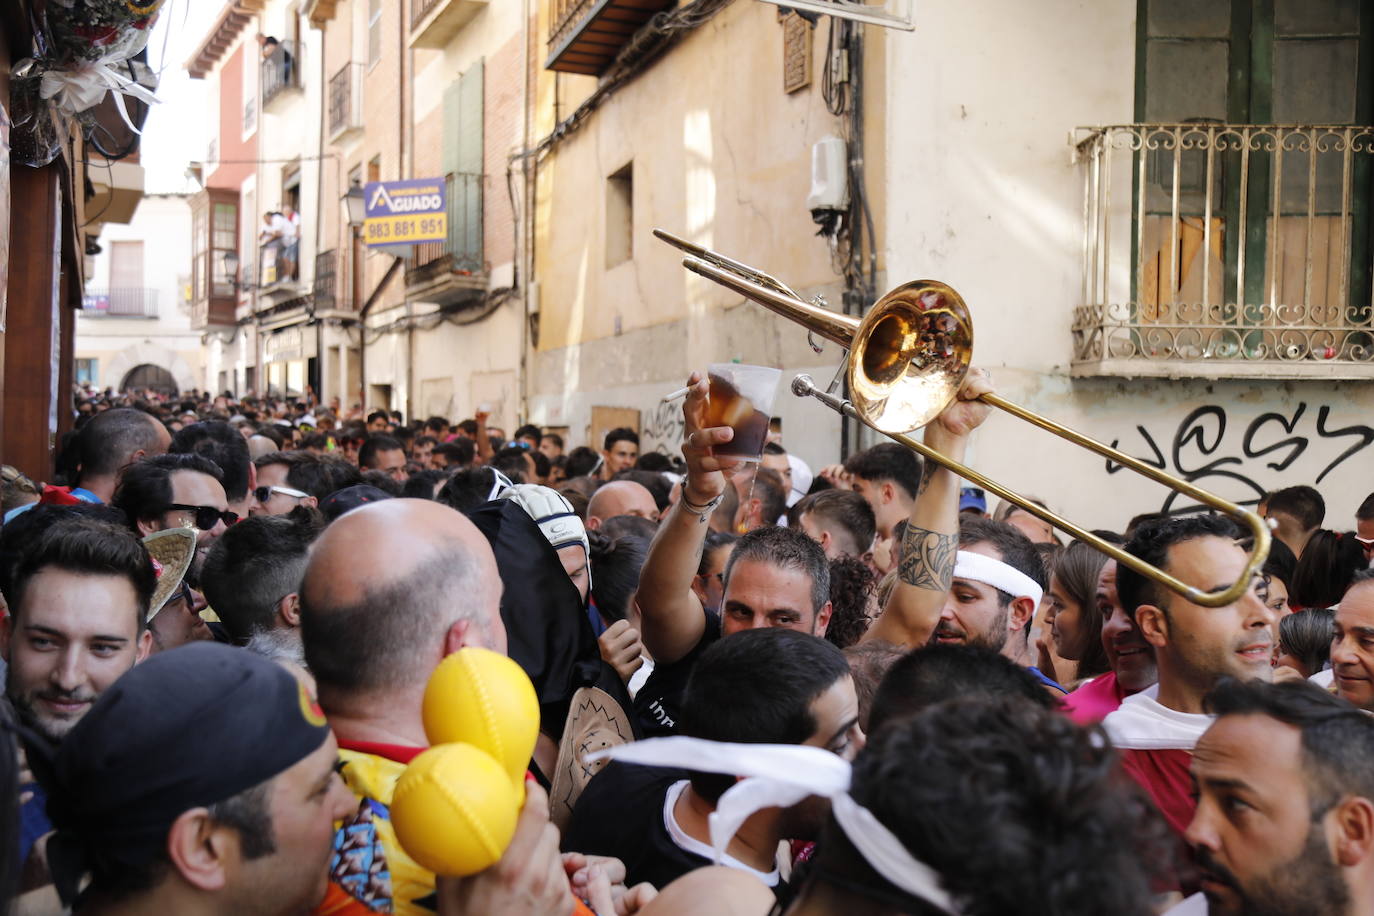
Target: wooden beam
[33,343]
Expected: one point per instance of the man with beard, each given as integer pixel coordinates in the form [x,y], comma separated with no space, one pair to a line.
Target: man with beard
[1195,647]
[78,595]
[997,583]
[1285,814]
[172,491]
[203,782]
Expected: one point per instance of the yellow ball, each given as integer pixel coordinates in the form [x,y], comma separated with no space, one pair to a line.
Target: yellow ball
[484,699]
[454,810]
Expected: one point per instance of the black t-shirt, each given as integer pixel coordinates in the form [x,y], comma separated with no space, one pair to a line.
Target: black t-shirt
[623,812]
[658,705]
[620,814]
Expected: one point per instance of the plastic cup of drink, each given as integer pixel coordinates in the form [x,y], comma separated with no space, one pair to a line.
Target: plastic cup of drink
[742,399]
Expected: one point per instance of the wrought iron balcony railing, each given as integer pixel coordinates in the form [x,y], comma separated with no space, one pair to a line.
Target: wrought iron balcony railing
[327,267]
[1226,249]
[461,252]
[345,101]
[126,302]
[281,70]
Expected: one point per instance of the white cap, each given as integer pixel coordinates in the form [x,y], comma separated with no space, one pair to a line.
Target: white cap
[552,512]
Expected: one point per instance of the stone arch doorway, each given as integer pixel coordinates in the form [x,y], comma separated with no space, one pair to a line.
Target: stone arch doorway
[146,376]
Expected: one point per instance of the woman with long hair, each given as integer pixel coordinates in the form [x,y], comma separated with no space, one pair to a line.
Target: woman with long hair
[1073,616]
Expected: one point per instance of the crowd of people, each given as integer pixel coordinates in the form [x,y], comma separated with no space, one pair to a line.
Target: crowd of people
[762,687]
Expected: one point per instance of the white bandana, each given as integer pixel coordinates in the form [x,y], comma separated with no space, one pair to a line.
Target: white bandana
[979,568]
[781,775]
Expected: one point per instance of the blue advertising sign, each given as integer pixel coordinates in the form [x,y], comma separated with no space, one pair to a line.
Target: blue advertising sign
[405,212]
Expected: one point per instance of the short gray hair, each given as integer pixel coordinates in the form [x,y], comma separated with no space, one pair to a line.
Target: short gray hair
[372,644]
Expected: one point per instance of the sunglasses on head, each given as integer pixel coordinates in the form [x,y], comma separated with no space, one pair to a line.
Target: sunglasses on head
[263,494]
[205,516]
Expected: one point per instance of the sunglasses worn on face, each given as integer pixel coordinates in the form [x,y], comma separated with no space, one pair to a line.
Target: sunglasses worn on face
[205,516]
[263,494]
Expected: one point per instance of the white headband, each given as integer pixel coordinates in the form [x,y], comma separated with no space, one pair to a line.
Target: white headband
[979,568]
[779,776]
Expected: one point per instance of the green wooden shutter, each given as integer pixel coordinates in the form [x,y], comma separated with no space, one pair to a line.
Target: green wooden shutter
[462,159]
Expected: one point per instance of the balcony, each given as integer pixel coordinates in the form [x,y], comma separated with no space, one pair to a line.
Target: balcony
[1226,250]
[328,266]
[435,22]
[281,71]
[346,103]
[278,269]
[586,35]
[453,270]
[133,302]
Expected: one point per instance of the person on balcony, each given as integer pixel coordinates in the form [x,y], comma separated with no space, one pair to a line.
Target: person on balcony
[270,47]
[288,264]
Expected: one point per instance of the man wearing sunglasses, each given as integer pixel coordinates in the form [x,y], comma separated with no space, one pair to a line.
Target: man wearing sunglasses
[290,479]
[172,491]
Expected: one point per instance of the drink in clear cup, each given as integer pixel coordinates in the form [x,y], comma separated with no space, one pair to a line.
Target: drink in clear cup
[742,398]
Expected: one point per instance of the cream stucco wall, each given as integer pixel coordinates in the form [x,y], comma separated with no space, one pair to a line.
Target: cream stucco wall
[119,345]
[721,156]
[982,194]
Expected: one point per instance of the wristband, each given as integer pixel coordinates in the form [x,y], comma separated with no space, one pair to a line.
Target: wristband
[701,512]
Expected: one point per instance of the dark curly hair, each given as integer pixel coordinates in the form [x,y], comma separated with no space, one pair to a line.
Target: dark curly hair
[1017,809]
[852,585]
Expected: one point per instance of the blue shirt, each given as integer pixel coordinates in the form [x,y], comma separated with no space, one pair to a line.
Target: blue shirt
[1045,679]
[33,819]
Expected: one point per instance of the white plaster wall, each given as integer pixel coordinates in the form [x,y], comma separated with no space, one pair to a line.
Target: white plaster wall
[163,223]
[289,129]
[982,195]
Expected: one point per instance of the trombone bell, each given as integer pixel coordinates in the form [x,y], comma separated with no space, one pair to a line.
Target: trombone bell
[907,360]
[910,356]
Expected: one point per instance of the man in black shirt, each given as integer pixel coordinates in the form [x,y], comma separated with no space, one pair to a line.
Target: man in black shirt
[769,685]
[776,577]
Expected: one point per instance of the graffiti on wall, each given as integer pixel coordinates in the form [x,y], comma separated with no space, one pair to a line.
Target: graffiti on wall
[663,428]
[1206,448]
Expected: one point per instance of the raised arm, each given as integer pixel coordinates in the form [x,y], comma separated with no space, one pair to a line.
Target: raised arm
[671,618]
[482,443]
[932,531]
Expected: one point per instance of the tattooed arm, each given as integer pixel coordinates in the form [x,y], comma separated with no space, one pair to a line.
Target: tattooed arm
[928,547]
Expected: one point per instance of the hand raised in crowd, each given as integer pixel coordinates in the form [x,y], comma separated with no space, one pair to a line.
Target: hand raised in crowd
[706,474]
[622,649]
[839,478]
[530,879]
[965,413]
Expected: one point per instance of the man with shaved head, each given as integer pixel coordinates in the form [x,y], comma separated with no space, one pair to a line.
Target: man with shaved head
[111,442]
[375,624]
[620,497]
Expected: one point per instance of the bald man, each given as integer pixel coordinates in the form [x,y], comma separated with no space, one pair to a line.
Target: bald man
[376,623]
[620,497]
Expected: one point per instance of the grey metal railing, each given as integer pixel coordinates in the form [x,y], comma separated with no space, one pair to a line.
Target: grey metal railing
[120,302]
[281,70]
[462,251]
[346,99]
[1238,243]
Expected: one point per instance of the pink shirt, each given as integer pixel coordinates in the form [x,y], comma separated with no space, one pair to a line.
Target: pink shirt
[1091,702]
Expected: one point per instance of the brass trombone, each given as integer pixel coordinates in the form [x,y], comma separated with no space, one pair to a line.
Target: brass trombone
[907,360]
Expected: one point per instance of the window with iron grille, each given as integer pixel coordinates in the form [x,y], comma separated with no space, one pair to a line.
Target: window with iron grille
[1250,180]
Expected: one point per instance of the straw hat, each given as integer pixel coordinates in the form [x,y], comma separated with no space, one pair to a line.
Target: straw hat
[171,551]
